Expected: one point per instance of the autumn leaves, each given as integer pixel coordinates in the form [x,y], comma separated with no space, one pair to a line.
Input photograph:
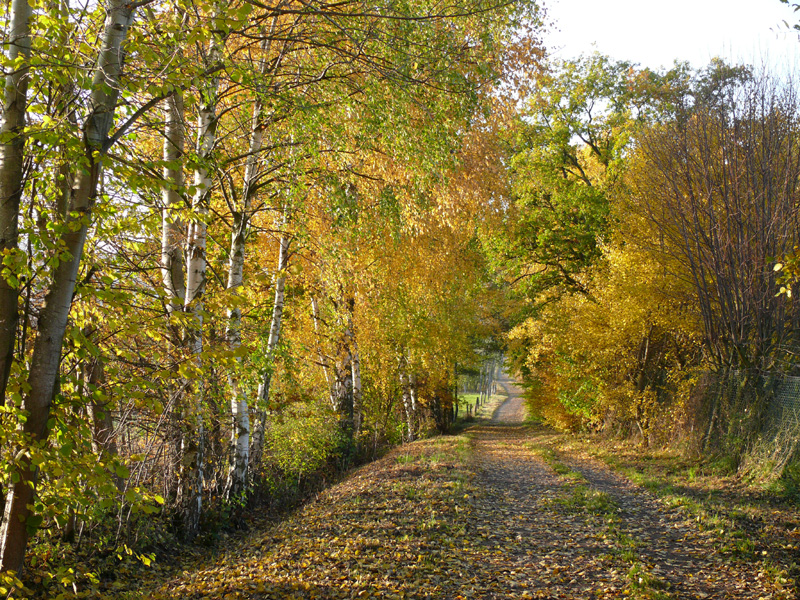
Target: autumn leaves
[236,236]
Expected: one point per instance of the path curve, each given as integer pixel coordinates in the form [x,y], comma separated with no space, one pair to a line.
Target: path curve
[512,410]
[551,542]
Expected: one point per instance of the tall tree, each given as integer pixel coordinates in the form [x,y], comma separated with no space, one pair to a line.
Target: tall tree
[568,159]
[721,186]
[18,56]
[44,370]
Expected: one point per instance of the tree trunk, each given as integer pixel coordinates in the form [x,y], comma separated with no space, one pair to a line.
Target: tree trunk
[343,388]
[193,445]
[455,392]
[482,384]
[272,343]
[409,400]
[173,274]
[412,389]
[323,361]
[99,410]
[44,369]
[12,131]
[357,389]
[240,436]
[240,429]
[350,351]
[173,234]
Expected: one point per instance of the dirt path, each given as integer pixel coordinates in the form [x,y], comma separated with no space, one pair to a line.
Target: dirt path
[592,534]
[506,510]
[512,410]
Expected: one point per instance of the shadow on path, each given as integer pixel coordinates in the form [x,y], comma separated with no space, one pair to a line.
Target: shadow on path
[595,535]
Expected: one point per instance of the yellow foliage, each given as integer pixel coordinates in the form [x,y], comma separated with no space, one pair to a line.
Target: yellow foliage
[610,356]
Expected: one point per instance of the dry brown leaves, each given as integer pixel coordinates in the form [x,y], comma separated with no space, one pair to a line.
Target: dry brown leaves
[484,517]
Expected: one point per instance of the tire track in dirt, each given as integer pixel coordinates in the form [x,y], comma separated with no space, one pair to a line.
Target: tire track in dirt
[542,552]
[669,546]
[512,410]
[547,549]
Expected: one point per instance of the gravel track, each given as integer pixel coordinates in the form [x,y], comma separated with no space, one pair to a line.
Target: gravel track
[550,549]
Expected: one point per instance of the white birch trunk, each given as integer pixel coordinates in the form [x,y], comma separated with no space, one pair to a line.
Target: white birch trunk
[343,387]
[408,399]
[323,361]
[272,343]
[355,370]
[455,391]
[344,370]
[240,430]
[357,388]
[46,359]
[172,233]
[173,238]
[412,388]
[482,389]
[193,443]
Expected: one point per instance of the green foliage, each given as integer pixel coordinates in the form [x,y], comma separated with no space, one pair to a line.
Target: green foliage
[569,152]
[302,438]
[788,485]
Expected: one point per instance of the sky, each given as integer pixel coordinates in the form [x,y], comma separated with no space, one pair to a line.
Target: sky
[655,34]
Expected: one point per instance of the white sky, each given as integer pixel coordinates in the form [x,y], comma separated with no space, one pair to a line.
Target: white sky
[655,34]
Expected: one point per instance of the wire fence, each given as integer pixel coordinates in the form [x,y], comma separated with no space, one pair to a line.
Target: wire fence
[784,406]
[754,415]
[778,395]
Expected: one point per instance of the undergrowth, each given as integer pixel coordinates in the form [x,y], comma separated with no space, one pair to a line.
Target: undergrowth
[745,515]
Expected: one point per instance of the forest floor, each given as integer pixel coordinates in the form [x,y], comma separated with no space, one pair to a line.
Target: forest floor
[509,509]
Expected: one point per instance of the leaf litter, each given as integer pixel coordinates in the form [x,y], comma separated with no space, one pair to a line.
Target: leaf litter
[480,515]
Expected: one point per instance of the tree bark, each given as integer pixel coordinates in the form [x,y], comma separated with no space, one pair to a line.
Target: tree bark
[45,362]
[343,388]
[173,234]
[272,342]
[482,384]
[409,400]
[193,445]
[240,429]
[349,376]
[357,388]
[11,174]
[323,361]
[99,410]
[173,273]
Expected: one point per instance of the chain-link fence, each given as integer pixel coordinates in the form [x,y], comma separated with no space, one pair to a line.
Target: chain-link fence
[754,416]
[775,398]
[784,406]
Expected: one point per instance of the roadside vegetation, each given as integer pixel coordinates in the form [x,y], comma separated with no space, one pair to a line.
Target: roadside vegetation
[653,245]
[279,241]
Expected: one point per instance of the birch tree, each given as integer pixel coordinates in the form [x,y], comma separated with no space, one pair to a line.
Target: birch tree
[173,235]
[272,55]
[18,54]
[53,319]
[276,322]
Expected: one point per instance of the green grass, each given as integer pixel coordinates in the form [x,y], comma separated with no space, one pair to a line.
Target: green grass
[404,459]
[549,456]
[594,502]
[643,584]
